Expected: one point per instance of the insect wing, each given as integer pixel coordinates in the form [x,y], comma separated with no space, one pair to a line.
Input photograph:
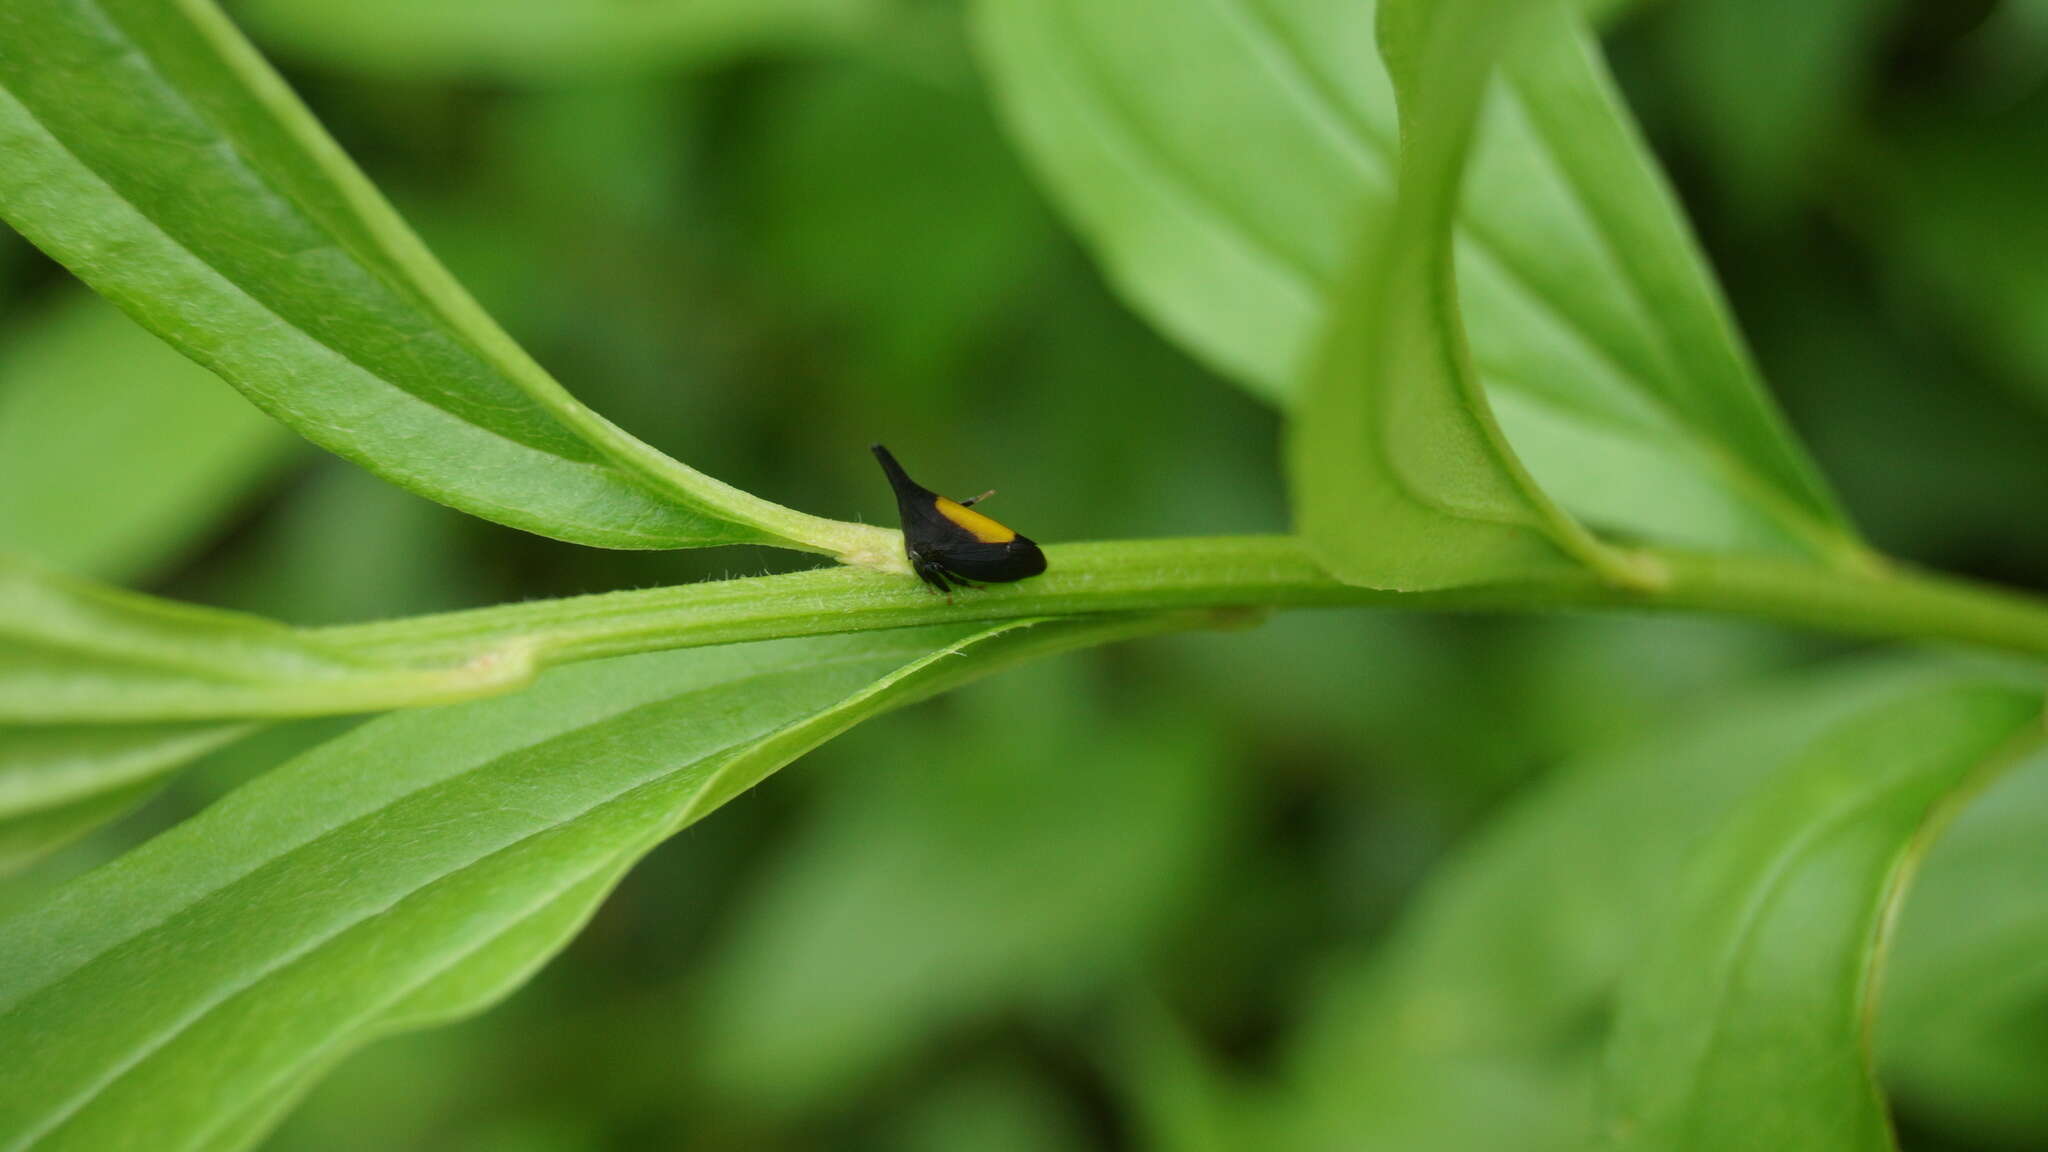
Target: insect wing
[995,563]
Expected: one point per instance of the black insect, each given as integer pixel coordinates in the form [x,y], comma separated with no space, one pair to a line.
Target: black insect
[949,544]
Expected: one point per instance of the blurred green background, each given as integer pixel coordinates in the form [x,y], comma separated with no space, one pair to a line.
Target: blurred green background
[760,234]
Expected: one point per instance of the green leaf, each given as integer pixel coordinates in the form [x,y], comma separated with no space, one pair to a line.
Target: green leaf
[1220,158]
[1747,1022]
[1401,478]
[116,453]
[547,40]
[1478,1022]
[1959,1039]
[152,152]
[414,870]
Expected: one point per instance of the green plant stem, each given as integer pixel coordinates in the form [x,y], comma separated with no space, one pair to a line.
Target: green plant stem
[1891,602]
[1250,573]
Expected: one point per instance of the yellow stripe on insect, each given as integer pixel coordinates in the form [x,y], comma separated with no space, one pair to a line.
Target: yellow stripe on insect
[978,526]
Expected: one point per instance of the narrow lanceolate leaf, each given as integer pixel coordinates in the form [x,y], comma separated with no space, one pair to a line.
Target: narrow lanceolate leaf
[76,652]
[1221,155]
[412,871]
[151,151]
[1747,1024]
[1401,478]
[116,453]
[104,692]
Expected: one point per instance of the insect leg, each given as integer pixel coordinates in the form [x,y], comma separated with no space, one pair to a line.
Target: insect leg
[933,576]
[960,581]
[971,501]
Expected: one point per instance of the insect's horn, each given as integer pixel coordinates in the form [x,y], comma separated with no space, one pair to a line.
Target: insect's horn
[897,476]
